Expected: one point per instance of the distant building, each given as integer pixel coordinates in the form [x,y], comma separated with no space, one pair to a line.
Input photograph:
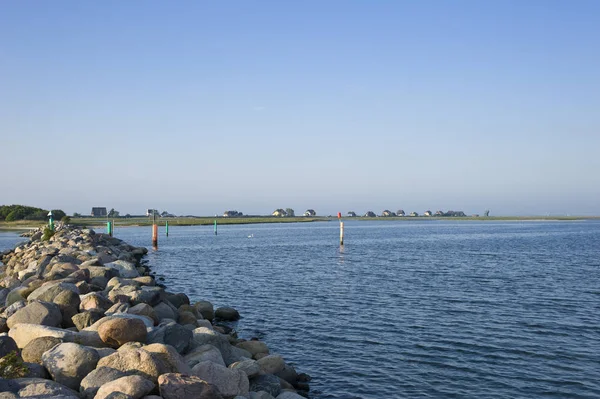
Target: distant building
[99,212]
[370,214]
[310,212]
[150,212]
[232,214]
[414,214]
[351,214]
[428,213]
[279,213]
[387,213]
[439,213]
[400,213]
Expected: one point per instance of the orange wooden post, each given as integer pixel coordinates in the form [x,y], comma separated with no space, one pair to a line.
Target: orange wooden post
[155,235]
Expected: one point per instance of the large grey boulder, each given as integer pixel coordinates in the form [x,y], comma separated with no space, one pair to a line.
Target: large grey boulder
[92,382]
[125,269]
[231,354]
[34,350]
[260,395]
[230,382]
[177,386]
[206,309]
[267,382]
[204,353]
[69,363]
[49,291]
[254,347]
[271,364]
[37,388]
[85,319]
[249,366]
[43,313]
[119,331]
[150,295]
[172,334]
[133,385]
[134,361]
[164,311]
[94,300]
[68,303]
[143,309]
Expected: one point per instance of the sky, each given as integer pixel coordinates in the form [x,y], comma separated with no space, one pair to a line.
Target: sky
[201,107]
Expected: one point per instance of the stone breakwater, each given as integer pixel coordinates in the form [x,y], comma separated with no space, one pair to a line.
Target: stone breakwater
[88,320]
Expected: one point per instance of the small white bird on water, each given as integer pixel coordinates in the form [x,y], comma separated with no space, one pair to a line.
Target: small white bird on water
[251,236]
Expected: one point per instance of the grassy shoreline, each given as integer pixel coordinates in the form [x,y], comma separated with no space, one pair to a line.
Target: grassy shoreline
[23,225]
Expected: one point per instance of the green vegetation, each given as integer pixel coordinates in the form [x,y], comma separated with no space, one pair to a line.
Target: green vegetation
[12,366]
[11,213]
[48,233]
[66,219]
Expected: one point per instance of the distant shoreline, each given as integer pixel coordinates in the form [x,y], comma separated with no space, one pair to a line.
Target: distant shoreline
[24,225]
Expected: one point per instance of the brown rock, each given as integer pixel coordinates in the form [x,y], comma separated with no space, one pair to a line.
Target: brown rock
[176,386]
[119,331]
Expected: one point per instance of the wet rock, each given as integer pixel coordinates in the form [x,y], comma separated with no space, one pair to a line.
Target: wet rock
[164,311]
[206,309]
[267,382]
[178,299]
[69,363]
[119,331]
[271,364]
[42,389]
[7,345]
[227,314]
[176,386]
[254,347]
[231,354]
[288,374]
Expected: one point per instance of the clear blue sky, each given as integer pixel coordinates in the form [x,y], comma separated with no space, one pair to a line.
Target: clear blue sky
[199,107]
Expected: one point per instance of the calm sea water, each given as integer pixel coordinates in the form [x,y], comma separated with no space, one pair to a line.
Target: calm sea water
[405,309]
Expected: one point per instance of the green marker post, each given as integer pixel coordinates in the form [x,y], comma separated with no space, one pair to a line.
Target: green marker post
[215,226]
[108,229]
[167,227]
[51,221]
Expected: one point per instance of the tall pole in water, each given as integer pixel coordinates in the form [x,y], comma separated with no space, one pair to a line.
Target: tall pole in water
[167,227]
[215,226]
[341,228]
[154,230]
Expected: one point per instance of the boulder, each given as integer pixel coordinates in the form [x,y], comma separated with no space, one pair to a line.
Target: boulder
[7,345]
[204,353]
[231,354]
[133,385]
[249,366]
[93,300]
[68,303]
[49,291]
[164,311]
[229,382]
[134,361]
[3,325]
[267,382]
[177,386]
[41,389]
[143,309]
[178,299]
[86,318]
[288,374]
[227,314]
[254,347]
[35,370]
[23,333]
[260,395]
[69,363]
[206,309]
[271,364]
[92,382]
[34,350]
[43,313]
[150,295]
[119,331]
[16,295]
[118,307]
[172,334]
[172,360]
[125,269]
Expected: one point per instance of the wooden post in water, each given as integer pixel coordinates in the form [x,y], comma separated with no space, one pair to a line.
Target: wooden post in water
[215,226]
[167,227]
[341,228]
[154,231]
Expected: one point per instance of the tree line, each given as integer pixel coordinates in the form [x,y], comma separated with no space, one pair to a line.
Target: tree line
[10,213]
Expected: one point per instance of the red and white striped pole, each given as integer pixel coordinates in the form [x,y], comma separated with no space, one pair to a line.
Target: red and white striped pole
[341,228]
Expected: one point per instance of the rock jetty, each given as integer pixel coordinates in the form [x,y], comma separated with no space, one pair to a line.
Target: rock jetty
[82,317]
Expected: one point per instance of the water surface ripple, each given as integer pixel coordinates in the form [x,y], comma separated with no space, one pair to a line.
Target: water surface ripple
[407,309]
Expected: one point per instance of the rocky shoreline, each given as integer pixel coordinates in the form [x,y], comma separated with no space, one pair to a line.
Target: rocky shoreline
[82,317]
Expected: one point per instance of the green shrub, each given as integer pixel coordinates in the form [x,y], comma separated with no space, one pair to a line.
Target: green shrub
[66,219]
[11,366]
[48,233]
